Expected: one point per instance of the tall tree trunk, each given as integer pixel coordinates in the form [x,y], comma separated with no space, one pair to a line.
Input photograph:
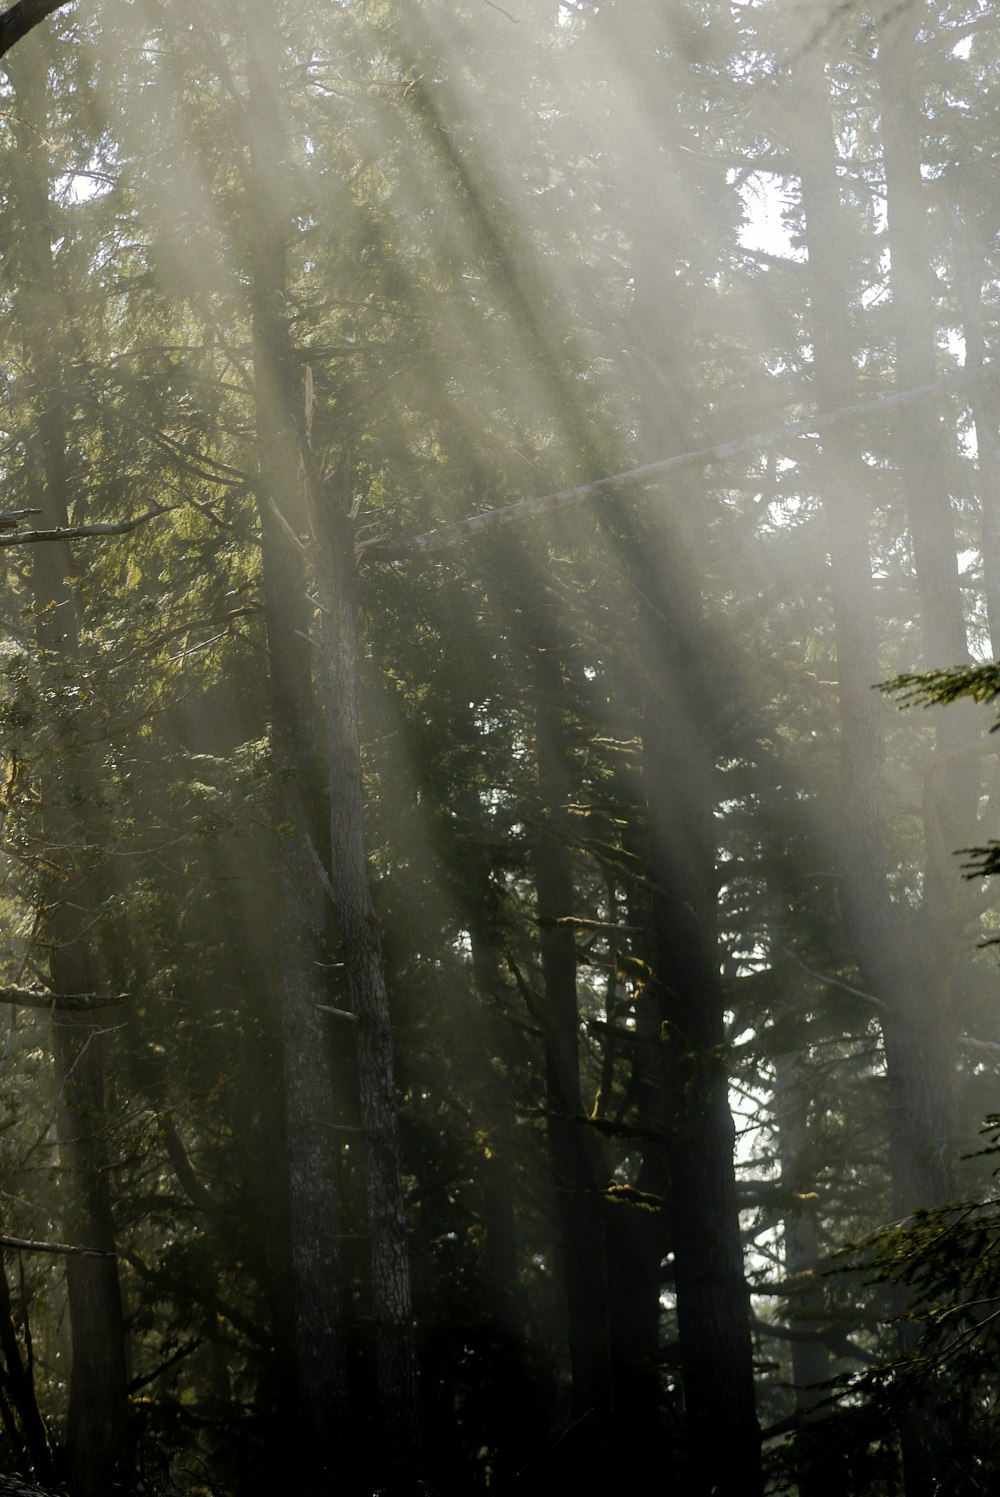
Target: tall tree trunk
[907,958]
[361,949]
[332,554]
[19,1392]
[906,961]
[802,1245]
[639,1230]
[952,788]
[99,1436]
[970,260]
[722,1435]
[572,1147]
[685,1083]
[315,1289]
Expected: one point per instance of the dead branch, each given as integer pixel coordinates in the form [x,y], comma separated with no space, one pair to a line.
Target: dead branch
[81,532]
[75,1003]
[27,1245]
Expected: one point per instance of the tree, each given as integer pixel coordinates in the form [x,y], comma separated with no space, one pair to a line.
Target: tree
[482,558]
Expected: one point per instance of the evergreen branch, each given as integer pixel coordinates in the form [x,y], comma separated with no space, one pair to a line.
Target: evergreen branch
[949,684]
[386,548]
[240,1322]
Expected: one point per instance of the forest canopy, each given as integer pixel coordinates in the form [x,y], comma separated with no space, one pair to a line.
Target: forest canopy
[493,985]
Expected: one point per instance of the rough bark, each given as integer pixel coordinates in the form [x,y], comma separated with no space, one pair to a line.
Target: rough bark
[639,1230]
[332,556]
[314,1290]
[682,699]
[722,1436]
[99,1433]
[906,958]
[11,1486]
[19,19]
[19,1389]
[906,962]
[572,1148]
[803,1250]
[361,951]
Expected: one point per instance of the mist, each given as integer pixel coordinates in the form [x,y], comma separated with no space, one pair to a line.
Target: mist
[498,801]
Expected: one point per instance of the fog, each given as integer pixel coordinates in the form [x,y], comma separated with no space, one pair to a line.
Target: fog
[501,558]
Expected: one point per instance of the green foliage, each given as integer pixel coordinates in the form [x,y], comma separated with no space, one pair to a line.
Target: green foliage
[937,1277]
[517,260]
[978,683]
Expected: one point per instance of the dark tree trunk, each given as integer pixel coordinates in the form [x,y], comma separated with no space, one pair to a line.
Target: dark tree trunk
[906,961]
[19,1393]
[722,1435]
[317,1347]
[970,256]
[802,1243]
[685,1067]
[639,1231]
[573,1148]
[282,424]
[99,1434]
[361,949]
[906,958]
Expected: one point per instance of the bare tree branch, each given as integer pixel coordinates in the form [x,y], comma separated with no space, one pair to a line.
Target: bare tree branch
[65,1002]
[390,549]
[830,1336]
[81,532]
[27,1245]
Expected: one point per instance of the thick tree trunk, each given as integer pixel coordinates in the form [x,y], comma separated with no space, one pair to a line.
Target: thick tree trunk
[803,1251]
[906,962]
[639,1231]
[361,950]
[315,1290]
[906,959]
[99,1436]
[573,1148]
[971,267]
[332,554]
[685,1080]
[722,1434]
[496,1112]
[952,785]
[18,1391]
